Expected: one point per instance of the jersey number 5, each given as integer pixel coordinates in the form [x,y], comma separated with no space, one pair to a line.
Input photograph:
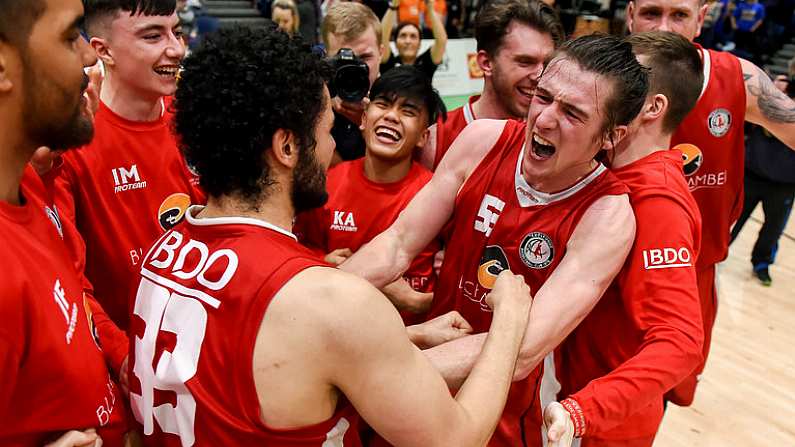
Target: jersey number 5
[186,319]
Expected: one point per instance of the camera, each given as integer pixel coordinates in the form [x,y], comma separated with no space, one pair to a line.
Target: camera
[351,80]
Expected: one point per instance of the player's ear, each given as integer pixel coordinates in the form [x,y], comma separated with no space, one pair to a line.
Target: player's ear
[424,138]
[484,62]
[284,148]
[656,107]
[5,54]
[629,15]
[103,51]
[613,137]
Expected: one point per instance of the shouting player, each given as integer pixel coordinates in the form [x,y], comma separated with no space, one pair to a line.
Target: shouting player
[514,39]
[54,384]
[734,91]
[530,198]
[645,335]
[258,341]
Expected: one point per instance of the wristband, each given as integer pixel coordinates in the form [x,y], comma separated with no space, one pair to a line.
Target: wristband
[577,418]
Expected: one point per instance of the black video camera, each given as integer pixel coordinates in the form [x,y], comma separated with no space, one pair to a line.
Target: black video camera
[351,80]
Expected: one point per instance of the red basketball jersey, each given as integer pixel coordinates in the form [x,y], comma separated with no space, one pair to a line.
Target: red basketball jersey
[644,335]
[715,171]
[204,290]
[53,377]
[123,191]
[447,131]
[358,210]
[500,222]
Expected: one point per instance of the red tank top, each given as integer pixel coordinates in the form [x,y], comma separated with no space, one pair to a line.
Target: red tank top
[500,222]
[205,287]
[715,170]
[447,131]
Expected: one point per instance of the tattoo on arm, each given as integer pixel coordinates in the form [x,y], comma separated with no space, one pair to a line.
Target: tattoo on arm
[773,103]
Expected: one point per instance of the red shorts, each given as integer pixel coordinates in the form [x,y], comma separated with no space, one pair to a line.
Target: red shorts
[683,393]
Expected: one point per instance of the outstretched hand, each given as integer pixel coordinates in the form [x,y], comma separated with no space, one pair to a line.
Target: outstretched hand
[558,425]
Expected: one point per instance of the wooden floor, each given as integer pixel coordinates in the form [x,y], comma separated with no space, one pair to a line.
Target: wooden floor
[747,392]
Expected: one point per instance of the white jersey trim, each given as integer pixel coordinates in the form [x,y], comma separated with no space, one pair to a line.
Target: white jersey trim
[707,59]
[209,221]
[469,115]
[528,196]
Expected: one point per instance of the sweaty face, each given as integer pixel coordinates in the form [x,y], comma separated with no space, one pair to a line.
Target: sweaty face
[564,126]
[516,67]
[683,17]
[309,176]
[366,47]
[283,19]
[53,78]
[147,52]
[393,126]
[408,41]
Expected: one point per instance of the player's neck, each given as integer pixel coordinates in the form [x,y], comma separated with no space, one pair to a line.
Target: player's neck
[276,209]
[128,103]
[378,170]
[489,106]
[561,181]
[13,159]
[408,60]
[643,143]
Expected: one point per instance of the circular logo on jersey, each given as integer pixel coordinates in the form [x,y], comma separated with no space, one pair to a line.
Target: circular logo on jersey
[691,158]
[492,263]
[719,122]
[536,250]
[172,210]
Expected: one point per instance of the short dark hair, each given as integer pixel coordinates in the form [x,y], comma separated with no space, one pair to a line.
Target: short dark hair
[237,88]
[17,19]
[406,81]
[97,10]
[495,16]
[676,71]
[612,58]
[402,25]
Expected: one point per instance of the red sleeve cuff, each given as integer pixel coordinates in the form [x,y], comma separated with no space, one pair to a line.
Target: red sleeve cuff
[577,418]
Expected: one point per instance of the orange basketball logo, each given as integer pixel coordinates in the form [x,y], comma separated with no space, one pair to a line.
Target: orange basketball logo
[492,263]
[691,157]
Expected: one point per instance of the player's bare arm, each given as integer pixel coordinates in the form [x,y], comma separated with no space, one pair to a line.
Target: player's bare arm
[388,255]
[768,106]
[441,329]
[594,255]
[338,335]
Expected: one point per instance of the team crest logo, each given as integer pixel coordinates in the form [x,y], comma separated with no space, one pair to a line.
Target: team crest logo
[92,329]
[719,122]
[172,210]
[692,158]
[492,263]
[536,250]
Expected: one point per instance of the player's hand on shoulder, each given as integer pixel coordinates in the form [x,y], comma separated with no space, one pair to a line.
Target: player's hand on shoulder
[439,330]
[338,256]
[76,438]
[510,293]
[558,425]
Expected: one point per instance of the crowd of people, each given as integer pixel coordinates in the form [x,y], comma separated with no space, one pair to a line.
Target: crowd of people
[243,254]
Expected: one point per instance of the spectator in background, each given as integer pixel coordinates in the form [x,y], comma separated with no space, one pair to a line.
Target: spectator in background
[747,18]
[417,12]
[770,179]
[711,22]
[285,14]
[407,41]
[355,26]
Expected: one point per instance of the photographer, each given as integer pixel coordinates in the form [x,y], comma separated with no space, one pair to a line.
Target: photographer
[351,26]
[770,179]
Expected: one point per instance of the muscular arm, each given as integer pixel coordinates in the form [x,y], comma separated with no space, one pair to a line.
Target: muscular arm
[439,34]
[361,349]
[663,304]
[594,255]
[768,106]
[388,255]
